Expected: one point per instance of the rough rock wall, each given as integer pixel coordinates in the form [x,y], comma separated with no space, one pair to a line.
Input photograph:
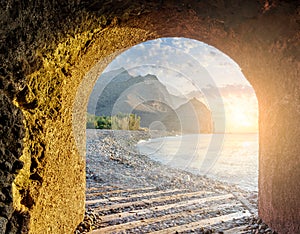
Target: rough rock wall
[11,135]
[42,45]
[48,47]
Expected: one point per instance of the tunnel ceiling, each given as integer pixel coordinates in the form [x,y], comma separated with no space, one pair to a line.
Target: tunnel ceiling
[49,53]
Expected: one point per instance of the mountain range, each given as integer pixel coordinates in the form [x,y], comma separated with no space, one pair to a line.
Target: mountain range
[119,92]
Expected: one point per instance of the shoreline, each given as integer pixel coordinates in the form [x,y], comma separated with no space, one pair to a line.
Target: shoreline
[112,161]
[244,153]
[125,150]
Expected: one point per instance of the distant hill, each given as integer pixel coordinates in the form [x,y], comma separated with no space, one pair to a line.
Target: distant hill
[195,116]
[119,92]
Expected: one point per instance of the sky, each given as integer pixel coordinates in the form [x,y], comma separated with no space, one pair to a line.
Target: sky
[190,68]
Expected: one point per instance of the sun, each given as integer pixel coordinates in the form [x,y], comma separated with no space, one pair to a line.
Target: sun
[241,119]
[241,114]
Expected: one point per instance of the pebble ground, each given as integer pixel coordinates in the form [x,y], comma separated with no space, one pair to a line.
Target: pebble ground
[129,193]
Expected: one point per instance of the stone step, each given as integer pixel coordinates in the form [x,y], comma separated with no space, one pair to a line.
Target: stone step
[148,201]
[143,222]
[166,211]
[204,223]
[187,204]
[132,196]
[115,191]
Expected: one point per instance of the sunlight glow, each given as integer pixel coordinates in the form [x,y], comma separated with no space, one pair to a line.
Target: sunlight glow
[241,113]
[241,119]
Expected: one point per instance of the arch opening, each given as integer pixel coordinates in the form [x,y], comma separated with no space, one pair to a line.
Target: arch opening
[157,80]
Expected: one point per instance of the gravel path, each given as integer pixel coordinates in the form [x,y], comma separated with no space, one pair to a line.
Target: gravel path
[129,193]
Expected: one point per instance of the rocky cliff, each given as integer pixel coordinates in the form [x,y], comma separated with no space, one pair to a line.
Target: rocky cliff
[194,117]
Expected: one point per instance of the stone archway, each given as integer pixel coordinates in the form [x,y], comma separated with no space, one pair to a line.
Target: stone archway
[52,47]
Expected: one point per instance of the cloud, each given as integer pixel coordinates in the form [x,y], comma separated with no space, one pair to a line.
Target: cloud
[229,91]
[200,63]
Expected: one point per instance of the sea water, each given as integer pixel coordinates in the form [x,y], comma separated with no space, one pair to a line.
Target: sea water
[231,158]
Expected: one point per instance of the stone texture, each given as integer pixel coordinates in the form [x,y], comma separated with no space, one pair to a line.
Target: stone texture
[48,53]
[11,134]
[3,222]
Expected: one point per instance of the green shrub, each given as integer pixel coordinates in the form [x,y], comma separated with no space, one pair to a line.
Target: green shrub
[120,121]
